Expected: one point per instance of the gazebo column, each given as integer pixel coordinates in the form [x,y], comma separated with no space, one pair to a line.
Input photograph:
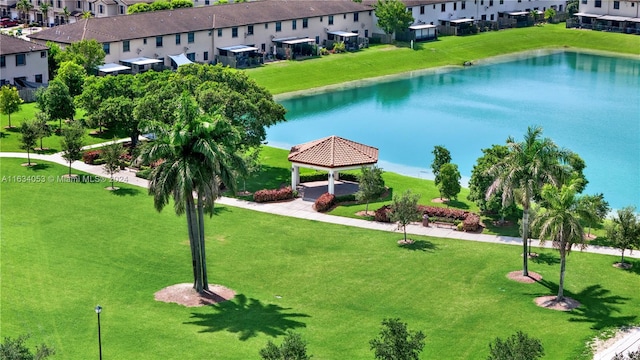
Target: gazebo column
[331,184]
[295,176]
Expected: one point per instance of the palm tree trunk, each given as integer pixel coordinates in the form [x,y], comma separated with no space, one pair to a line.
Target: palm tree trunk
[203,256]
[192,248]
[525,232]
[563,263]
[192,220]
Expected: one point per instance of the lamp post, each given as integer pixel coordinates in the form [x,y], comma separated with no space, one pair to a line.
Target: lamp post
[98,311]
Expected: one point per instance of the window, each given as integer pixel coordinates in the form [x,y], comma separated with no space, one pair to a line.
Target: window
[78,4]
[3,61]
[278,26]
[39,78]
[501,2]
[191,56]
[490,2]
[107,48]
[90,6]
[616,5]
[317,39]
[443,7]
[356,16]
[177,39]
[144,41]
[59,4]
[598,3]
[463,5]
[330,19]
[481,2]
[305,23]
[321,18]
[492,17]
[421,9]
[43,54]
[250,30]
[207,2]
[206,56]
[366,33]
[101,9]
[121,9]
[158,41]
[126,46]
[294,24]
[191,37]
[483,18]
[266,25]
[455,6]
[263,47]
[344,16]
[234,32]
[584,2]
[219,32]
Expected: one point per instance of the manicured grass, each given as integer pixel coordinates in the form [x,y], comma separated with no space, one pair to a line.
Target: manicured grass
[10,138]
[383,60]
[66,247]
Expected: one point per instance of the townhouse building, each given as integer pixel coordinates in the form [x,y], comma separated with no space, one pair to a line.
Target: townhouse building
[22,62]
[609,15]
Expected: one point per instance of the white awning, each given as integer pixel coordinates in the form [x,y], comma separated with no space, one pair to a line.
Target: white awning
[298,41]
[284,39]
[239,48]
[422,26]
[141,61]
[635,20]
[342,33]
[614,18]
[181,59]
[586,15]
[460,21]
[518,13]
[112,67]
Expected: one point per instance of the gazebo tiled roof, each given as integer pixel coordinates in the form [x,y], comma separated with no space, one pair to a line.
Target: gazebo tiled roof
[333,152]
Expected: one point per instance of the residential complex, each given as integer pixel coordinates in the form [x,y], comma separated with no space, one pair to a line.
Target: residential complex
[610,15]
[22,62]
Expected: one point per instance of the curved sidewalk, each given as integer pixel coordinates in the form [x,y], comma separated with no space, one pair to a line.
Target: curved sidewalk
[301,209]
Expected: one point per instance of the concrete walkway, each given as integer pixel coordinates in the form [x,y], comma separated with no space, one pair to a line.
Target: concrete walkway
[302,209]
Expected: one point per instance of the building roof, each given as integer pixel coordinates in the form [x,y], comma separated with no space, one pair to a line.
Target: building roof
[13,45]
[411,3]
[151,24]
[333,152]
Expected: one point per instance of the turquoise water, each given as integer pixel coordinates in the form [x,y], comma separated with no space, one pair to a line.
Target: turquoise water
[588,104]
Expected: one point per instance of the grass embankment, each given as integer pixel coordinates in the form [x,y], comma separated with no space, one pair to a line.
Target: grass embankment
[61,255]
[380,60]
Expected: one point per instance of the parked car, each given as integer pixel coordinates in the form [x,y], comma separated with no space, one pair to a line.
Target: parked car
[6,22]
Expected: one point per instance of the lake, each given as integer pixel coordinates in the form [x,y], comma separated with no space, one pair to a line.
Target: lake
[586,103]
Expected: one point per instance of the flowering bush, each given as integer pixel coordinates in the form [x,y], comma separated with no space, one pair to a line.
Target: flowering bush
[470,221]
[89,157]
[325,202]
[267,195]
[383,214]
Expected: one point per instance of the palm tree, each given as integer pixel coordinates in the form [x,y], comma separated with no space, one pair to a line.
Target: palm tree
[24,6]
[624,230]
[197,155]
[66,13]
[44,8]
[520,175]
[560,222]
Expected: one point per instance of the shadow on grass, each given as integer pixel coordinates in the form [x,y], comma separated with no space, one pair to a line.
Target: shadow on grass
[457,204]
[47,151]
[126,191]
[597,306]
[38,167]
[546,258]
[419,245]
[635,268]
[269,177]
[248,318]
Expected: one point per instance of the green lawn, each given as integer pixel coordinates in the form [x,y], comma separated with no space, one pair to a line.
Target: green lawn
[380,60]
[66,247]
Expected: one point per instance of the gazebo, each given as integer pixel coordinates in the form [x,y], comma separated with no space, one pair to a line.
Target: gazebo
[332,154]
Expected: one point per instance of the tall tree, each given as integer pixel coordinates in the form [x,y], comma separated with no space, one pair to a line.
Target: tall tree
[66,14]
[10,101]
[481,180]
[559,222]
[44,130]
[519,346]
[199,154]
[624,230]
[44,9]
[370,185]
[393,16]
[441,156]
[449,185]
[87,53]
[52,58]
[529,164]
[73,76]
[56,101]
[24,6]
[71,143]
[593,209]
[111,155]
[405,210]
[29,138]
[395,342]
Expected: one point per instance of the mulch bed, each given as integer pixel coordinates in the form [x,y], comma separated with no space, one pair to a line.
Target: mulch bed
[624,266]
[517,276]
[549,302]
[184,294]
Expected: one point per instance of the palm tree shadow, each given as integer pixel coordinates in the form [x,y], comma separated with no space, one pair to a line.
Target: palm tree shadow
[635,266]
[126,192]
[247,317]
[546,258]
[420,245]
[598,307]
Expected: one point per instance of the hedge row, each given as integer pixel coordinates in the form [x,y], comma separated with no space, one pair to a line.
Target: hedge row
[470,221]
[325,202]
[267,195]
[90,156]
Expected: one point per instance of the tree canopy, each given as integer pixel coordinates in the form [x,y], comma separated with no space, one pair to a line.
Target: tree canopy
[10,101]
[449,184]
[370,184]
[56,101]
[519,346]
[87,53]
[396,342]
[405,210]
[393,16]
[441,156]
[73,76]
[624,230]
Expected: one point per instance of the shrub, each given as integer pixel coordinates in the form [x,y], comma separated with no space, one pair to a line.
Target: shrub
[325,202]
[267,195]
[345,198]
[339,47]
[324,51]
[383,214]
[470,221]
[89,157]
[144,173]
